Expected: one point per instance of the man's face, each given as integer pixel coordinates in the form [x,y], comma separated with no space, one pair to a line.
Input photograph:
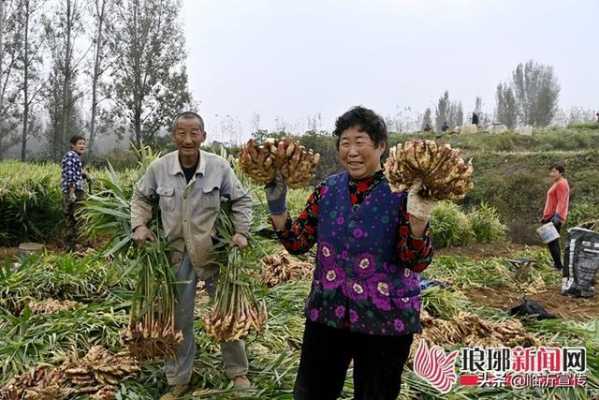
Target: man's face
[554,174]
[80,147]
[188,136]
[358,154]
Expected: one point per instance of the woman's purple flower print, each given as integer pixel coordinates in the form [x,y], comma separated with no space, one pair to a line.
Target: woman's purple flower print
[326,255]
[355,290]
[353,316]
[365,265]
[358,233]
[379,289]
[416,303]
[340,311]
[314,313]
[332,278]
[399,325]
[405,303]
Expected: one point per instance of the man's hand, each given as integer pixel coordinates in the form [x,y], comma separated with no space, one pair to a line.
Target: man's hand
[418,207]
[240,241]
[72,195]
[141,234]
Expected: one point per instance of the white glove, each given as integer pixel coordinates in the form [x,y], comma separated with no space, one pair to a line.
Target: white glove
[72,197]
[418,207]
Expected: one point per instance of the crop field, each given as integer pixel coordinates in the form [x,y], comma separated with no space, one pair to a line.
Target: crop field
[64,313]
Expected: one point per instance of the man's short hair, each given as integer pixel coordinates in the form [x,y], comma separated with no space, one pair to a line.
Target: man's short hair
[558,166]
[188,115]
[76,138]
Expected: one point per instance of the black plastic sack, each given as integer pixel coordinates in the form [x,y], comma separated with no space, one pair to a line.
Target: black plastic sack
[531,308]
[581,261]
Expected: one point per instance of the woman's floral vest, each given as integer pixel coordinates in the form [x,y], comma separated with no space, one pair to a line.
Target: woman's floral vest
[359,284]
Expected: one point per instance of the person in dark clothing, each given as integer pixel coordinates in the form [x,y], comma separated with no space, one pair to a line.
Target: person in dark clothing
[445,127]
[474,119]
[73,188]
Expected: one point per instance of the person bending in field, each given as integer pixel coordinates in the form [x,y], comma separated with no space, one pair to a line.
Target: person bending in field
[189,184]
[556,208]
[371,245]
[73,188]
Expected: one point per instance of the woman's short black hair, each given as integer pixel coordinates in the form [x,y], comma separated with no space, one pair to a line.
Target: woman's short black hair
[558,166]
[75,139]
[365,120]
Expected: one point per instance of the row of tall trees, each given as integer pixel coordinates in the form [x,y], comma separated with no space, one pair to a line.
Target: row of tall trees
[531,98]
[89,66]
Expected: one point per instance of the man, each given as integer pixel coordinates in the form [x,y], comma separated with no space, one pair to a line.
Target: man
[474,119]
[556,208]
[189,185]
[73,188]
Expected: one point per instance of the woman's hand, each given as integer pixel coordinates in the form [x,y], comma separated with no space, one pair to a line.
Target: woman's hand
[419,207]
[419,210]
[276,195]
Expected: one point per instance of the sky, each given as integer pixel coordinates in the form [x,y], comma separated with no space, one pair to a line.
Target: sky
[288,61]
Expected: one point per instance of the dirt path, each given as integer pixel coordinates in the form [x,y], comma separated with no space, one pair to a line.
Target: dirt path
[478,251]
[562,306]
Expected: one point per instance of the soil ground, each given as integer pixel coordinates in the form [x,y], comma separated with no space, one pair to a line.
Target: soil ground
[561,306]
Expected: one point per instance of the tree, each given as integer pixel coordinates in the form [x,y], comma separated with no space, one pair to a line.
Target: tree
[100,10]
[506,110]
[427,120]
[62,31]
[255,122]
[151,84]
[28,64]
[455,115]
[9,89]
[536,92]
[442,111]
[478,105]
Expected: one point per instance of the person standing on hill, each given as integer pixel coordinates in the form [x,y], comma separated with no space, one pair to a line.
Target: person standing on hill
[556,208]
[73,188]
[189,185]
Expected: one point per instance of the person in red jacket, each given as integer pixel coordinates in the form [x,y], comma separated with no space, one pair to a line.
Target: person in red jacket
[556,208]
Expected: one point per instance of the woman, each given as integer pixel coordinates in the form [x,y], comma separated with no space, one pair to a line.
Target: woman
[556,208]
[364,302]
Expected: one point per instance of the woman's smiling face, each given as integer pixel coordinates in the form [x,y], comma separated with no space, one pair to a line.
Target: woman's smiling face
[358,153]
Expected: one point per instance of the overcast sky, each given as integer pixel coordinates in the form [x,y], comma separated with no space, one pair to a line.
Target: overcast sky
[295,59]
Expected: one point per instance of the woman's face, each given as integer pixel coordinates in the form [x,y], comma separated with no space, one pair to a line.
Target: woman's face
[358,154]
[554,174]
